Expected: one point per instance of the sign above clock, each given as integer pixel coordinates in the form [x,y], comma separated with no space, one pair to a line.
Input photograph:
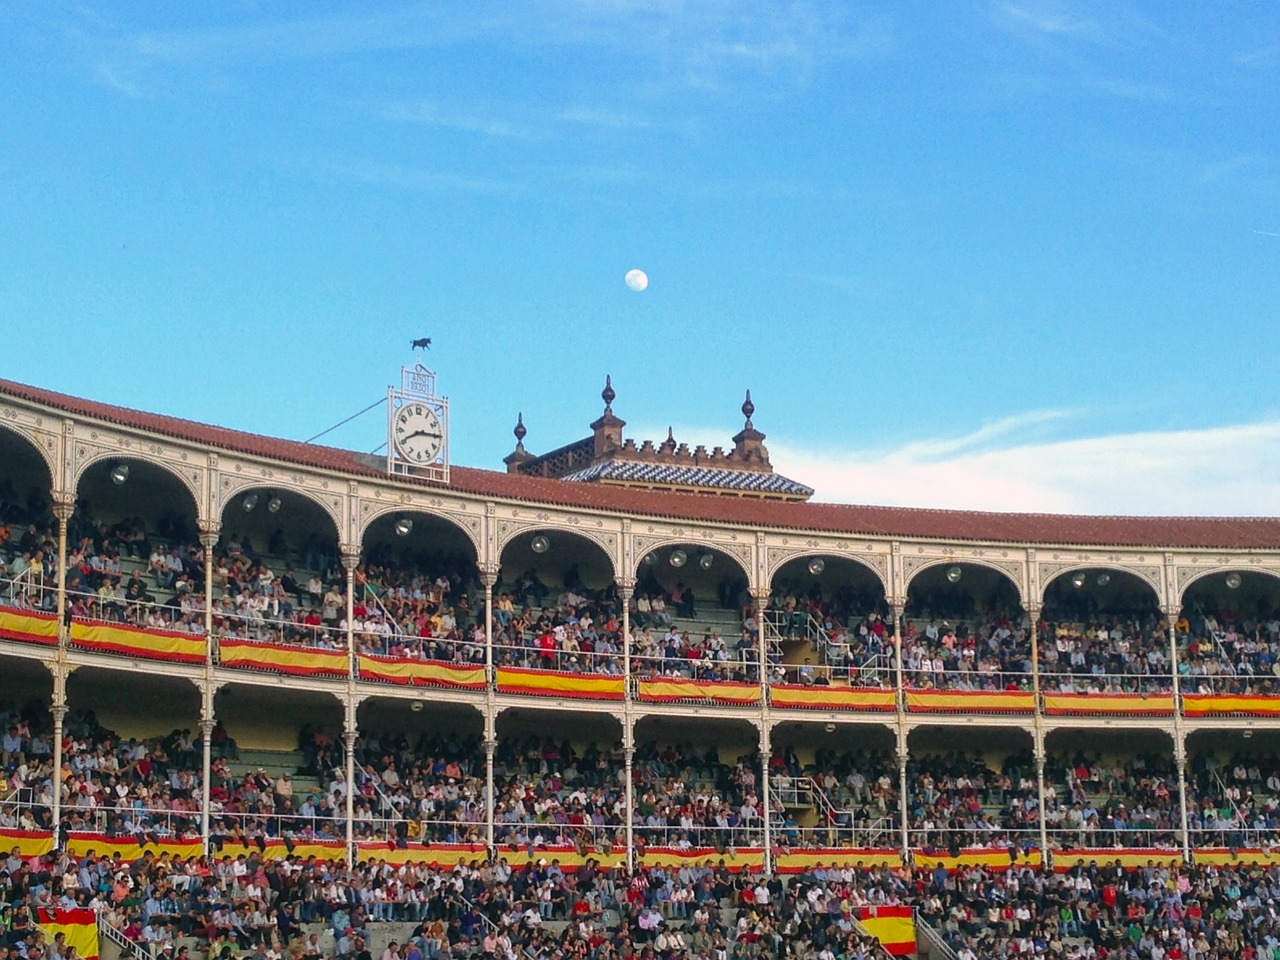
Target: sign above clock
[417,426]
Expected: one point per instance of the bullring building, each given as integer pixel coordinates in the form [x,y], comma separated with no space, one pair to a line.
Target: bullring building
[630,650]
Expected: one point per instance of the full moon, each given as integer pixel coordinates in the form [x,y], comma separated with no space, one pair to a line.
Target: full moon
[636,280]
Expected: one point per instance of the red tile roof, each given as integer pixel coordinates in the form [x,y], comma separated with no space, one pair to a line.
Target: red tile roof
[1236,533]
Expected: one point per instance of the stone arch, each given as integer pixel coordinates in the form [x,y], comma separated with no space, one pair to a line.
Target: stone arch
[190,484]
[780,560]
[662,543]
[372,511]
[1071,569]
[224,500]
[518,549]
[1209,572]
[30,439]
[932,562]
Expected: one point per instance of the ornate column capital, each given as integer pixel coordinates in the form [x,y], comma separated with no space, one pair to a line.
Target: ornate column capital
[210,530]
[626,587]
[1033,610]
[489,573]
[64,504]
[350,557]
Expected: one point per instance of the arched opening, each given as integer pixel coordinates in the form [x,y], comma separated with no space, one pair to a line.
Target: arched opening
[691,616]
[134,554]
[418,591]
[1233,789]
[558,783]
[278,765]
[557,606]
[971,789]
[134,760]
[828,623]
[1101,631]
[698,784]
[26,736]
[28,537]
[1228,634]
[965,630]
[424,764]
[1111,788]
[276,577]
[834,785]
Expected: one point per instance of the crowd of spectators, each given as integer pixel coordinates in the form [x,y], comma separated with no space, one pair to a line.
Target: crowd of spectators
[1123,802]
[958,801]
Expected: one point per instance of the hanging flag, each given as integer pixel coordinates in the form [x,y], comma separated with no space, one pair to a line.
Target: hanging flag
[80,927]
[894,927]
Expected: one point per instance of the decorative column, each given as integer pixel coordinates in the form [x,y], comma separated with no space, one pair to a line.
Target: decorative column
[1040,793]
[207,722]
[1033,616]
[489,579]
[58,708]
[209,532]
[765,753]
[626,588]
[904,805]
[761,596]
[64,505]
[349,734]
[351,560]
[490,799]
[629,789]
[1180,758]
[899,612]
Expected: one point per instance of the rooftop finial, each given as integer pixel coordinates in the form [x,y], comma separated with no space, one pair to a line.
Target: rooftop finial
[608,394]
[671,435]
[520,430]
[748,408]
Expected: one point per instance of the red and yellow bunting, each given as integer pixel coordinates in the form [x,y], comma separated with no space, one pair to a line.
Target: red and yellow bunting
[1243,857]
[136,642]
[971,701]
[733,859]
[553,683]
[833,698]
[29,627]
[79,926]
[1108,704]
[127,849]
[420,673]
[1127,857]
[1240,704]
[798,861]
[990,859]
[894,927]
[298,661]
[675,691]
[29,843]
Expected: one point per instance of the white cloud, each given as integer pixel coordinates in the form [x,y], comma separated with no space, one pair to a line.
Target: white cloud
[1009,466]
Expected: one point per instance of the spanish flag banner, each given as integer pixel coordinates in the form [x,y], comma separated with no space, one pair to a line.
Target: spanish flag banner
[1108,704]
[1127,857]
[733,859]
[128,849]
[446,855]
[894,927]
[676,691]
[28,626]
[798,861]
[134,642]
[277,849]
[523,857]
[554,683]
[1243,857]
[298,661]
[80,927]
[420,673]
[971,701]
[29,843]
[1216,705]
[992,859]
[833,698]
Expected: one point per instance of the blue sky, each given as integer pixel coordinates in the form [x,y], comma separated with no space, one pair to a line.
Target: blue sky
[1000,255]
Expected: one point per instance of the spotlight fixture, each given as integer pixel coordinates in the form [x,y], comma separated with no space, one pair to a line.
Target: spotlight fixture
[540,544]
[954,574]
[1233,581]
[706,560]
[403,526]
[119,473]
[678,558]
[250,502]
[817,565]
[650,559]
[1078,581]
[416,706]
[1103,579]
[831,728]
[274,504]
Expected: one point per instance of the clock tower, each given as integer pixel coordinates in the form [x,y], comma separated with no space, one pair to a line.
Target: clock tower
[417,427]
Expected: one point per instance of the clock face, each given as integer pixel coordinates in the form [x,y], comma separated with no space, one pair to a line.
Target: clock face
[418,433]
